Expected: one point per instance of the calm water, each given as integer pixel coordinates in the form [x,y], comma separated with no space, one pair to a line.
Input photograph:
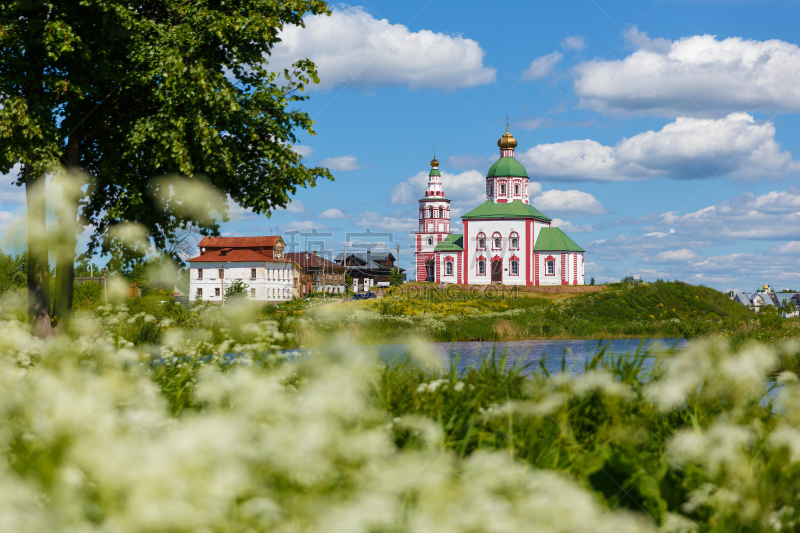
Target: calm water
[531,352]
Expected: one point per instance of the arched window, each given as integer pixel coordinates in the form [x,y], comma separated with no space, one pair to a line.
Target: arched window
[448,268]
[516,189]
[481,268]
[430,213]
[514,267]
[481,241]
[430,240]
[497,241]
[514,240]
[502,189]
[441,212]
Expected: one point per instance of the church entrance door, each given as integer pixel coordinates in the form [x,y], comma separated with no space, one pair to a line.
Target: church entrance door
[497,271]
[429,271]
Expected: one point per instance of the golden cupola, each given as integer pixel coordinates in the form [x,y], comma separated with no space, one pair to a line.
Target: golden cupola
[507,141]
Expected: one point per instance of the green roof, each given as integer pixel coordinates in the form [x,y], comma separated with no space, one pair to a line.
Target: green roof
[507,166]
[515,209]
[433,199]
[451,243]
[434,172]
[555,240]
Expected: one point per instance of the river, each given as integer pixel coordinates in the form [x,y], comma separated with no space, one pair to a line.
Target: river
[531,352]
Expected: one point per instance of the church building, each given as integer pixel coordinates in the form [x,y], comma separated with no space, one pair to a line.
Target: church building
[505,241]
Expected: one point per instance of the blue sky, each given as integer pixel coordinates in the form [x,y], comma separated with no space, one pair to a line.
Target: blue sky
[663,135]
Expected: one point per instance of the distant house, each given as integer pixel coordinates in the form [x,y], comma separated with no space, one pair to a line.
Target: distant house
[258,262]
[368,269]
[766,298]
[319,274]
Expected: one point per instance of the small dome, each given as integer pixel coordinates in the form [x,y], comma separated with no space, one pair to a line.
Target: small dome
[507,141]
[434,163]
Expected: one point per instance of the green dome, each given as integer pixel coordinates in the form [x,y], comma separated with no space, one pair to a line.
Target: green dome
[507,166]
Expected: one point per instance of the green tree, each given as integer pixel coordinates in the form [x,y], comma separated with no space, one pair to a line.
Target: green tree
[121,92]
[395,278]
[236,290]
[591,281]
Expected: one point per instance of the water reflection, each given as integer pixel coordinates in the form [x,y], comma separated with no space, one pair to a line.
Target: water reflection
[573,354]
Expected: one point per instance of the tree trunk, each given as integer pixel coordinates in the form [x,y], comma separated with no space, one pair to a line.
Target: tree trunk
[38,264]
[67,237]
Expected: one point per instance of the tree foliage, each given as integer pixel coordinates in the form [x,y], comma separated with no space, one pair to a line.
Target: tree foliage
[123,92]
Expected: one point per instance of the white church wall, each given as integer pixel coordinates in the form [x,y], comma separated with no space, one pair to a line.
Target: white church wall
[505,252]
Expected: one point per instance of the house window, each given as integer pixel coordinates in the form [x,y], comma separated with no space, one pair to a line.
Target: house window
[514,241]
[200,292]
[502,189]
[481,241]
[497,241]
[252,273]
[430,240]
[551,268]
[216,291]
[481,268]
[448,268]
[516,189]
[199,273]
[221,273]
[514,268]
[430,213]
[441,212]
[491,190]
[252,293]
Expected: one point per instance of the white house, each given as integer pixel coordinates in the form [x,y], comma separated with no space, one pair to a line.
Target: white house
[258,262]
[506,240]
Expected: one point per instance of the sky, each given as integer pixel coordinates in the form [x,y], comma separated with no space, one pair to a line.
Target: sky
[661,136]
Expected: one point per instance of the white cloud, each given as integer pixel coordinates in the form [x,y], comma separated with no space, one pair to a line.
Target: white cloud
[673,256]
[574,42]
[465,190]
[294,206]
[773,202]
[303,150]
[569,227]
[350,47]
[542,66]
[376,221]
[11,194]
[343,163]
[571,203]
[790,248]
[689,148]
[303,225]
[332,214]
[696,75]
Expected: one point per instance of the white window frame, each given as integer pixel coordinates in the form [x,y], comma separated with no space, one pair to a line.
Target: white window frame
[481,268]
[550,267]
[448,268]
[199,273]
[514,267]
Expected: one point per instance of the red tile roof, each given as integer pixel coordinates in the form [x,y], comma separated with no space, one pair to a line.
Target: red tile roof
[240,242]
[235,256]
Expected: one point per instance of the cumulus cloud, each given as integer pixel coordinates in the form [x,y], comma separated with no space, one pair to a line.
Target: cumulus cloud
[351,47]
[542,66]
[688,148]
[376,221]
[303,150]
[302,225]
[673,256]
[11,194]
[465,190]
[696,75]
[343,163]
[332,214]
[574,42]
[569,227]
[571,203]
[790,248]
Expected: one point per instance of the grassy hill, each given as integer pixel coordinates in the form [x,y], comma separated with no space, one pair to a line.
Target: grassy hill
[661,309]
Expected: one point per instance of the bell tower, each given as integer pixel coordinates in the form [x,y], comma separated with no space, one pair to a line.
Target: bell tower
[434,223]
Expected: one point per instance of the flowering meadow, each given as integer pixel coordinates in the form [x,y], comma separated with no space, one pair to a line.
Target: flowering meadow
[210,426]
